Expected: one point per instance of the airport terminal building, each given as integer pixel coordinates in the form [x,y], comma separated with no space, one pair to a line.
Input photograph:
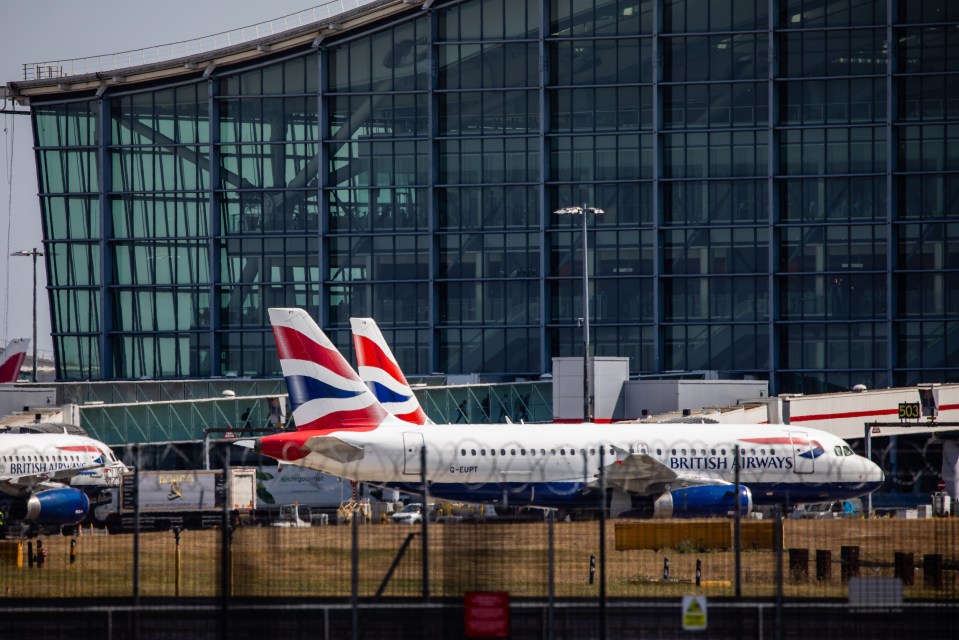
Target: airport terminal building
[779,181]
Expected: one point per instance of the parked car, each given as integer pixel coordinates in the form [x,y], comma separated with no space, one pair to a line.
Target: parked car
[410,514]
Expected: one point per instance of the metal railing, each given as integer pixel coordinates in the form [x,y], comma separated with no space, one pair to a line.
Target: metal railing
[186,48]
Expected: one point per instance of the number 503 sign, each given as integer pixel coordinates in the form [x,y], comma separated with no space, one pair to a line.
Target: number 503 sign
[909,411]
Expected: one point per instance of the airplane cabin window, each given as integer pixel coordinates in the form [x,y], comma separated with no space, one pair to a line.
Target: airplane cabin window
[562,452]
[659,452]
[522,452]
[512,452]
[502,452]
[772,452]
[592,452]
[462,452]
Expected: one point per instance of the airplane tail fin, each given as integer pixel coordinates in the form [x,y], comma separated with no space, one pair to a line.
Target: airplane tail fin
[324,390]
[12,359]
[381,372]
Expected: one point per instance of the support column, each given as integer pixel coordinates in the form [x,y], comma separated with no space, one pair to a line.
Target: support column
[950,467]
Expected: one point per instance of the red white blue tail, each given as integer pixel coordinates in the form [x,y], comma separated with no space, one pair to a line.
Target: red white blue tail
[325,392]
[13,357]
[379,369]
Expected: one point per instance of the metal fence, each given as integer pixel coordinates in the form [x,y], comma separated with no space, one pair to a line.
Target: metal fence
[575,574]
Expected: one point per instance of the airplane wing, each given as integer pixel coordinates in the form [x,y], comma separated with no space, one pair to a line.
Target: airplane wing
[643,474]
[335,448]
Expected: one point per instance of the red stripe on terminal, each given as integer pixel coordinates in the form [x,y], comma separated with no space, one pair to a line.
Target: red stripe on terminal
[840,416]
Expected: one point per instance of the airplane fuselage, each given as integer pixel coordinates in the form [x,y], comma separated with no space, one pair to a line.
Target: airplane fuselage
[554,465]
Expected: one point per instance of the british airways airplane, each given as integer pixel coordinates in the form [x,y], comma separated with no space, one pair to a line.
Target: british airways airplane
[35,469]
[12,359]
[663,470]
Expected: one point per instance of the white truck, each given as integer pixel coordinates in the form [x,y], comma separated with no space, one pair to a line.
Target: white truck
[186,499]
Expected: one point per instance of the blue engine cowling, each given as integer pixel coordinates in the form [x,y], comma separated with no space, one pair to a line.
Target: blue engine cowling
[702,502]
[57,507]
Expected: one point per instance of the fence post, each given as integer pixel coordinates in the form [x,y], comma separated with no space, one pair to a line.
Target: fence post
[602,541]
[136,522]
[551,570]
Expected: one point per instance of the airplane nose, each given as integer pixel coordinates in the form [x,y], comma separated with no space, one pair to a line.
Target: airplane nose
[872,472]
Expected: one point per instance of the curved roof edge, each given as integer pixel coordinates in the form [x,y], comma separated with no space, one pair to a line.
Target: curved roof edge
[204,63]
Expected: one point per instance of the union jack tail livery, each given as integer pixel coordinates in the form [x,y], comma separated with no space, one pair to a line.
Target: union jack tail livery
[379,369]
[13,357]
[325,392]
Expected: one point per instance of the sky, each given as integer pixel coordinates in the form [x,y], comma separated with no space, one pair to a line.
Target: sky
[47,30]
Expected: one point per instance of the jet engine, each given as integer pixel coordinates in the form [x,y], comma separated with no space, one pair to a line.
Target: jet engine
[702,502]
[54,507]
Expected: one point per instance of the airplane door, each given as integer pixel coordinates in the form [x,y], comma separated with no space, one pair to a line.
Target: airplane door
[412,444]
[803,455]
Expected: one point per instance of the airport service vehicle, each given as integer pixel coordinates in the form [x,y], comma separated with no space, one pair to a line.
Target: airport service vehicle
[186,499]
[35,472]
[650,470]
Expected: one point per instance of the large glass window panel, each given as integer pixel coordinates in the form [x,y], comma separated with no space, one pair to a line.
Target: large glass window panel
[74,263]
[599,17]
[487,66]
[833,53]
[714,201]
[161,263]
[73,124]
[623,204]
[835,296]
[78,357]
[721,57]
[929,196]
[583,158]
[588,62]
[160,309]
[681,16]
[489,207]
[70,218]
[68,171]
[833,199]
[928,49]
[76,310]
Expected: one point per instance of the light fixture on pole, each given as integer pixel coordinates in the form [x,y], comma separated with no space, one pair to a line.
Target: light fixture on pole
[587,387]
[34,253]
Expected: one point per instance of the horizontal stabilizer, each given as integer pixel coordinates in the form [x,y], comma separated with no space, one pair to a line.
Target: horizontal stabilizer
[335,448]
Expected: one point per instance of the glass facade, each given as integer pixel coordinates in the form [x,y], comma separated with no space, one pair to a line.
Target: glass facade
[780,181]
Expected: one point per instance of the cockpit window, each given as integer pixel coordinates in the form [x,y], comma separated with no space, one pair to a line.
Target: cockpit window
[838,451]
[847,451]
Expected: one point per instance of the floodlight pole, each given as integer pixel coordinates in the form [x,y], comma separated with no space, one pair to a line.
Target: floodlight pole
[35,254]
[587,387]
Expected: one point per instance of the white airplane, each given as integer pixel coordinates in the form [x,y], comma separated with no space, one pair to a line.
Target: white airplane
[35,469]
[664,470]
[381,372]
[12,359]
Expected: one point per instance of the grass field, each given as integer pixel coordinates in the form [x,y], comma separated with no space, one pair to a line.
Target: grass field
[315,562]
